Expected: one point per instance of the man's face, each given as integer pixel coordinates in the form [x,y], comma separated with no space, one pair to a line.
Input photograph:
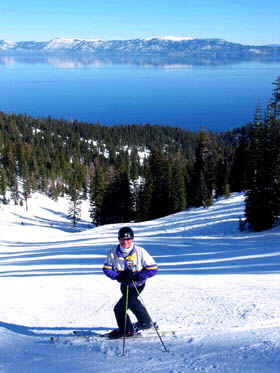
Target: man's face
[125,243]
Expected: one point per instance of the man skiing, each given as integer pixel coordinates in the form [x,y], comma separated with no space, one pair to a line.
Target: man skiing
[130,265]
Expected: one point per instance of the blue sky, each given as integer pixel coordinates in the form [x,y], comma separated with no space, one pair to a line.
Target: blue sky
[244,21]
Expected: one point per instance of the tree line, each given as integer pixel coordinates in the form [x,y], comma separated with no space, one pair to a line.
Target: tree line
[142,172]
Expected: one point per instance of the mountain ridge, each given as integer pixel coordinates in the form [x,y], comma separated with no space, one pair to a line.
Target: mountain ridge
[169,46]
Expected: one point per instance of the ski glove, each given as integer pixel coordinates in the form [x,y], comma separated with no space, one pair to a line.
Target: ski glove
[127,276]
[121,276]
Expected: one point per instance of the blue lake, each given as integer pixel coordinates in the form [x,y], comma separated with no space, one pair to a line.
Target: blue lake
[189,96]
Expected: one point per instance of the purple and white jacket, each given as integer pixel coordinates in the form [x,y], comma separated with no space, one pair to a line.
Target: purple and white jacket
[138,260]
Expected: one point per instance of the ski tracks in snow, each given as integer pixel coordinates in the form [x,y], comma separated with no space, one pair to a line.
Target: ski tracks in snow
[256,350]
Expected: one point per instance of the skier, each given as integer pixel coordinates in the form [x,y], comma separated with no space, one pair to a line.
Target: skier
[130,265]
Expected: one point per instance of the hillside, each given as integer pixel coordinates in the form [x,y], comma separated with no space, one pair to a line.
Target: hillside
[217,288]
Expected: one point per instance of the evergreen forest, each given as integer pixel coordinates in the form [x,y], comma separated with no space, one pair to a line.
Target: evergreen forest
[142,172]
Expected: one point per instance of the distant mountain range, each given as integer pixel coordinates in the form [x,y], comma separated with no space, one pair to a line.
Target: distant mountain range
[162,46]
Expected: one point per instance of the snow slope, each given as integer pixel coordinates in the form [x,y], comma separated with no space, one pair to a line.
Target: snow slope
[218,288]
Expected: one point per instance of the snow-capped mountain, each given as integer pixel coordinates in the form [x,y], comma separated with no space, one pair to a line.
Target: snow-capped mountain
[172,38]
[7,44]
[166,45]
[68,43]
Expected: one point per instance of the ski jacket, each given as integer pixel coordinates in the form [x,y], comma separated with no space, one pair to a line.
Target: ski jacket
[138,260]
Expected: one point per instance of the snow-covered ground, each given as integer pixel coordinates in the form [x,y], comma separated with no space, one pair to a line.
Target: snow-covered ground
[218,288]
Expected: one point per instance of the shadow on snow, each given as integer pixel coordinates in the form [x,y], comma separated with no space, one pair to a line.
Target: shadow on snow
[47,331]
[197,241]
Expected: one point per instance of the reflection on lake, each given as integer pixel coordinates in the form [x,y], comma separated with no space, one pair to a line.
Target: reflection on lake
[74,60]
[187,93]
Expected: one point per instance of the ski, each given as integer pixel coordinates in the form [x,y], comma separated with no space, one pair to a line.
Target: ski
[91,334]
[81,336]
[140,333]
[86,333]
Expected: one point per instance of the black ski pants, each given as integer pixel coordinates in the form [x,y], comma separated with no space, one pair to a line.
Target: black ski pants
[134,305]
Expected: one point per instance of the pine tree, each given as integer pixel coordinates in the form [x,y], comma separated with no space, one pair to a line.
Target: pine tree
[134,164]
[238,176]
[73,191]
[15,194]
[9,162]
[178,185]
[222,178]
[145,195]
[74,210]
[274,105]
[3,184]
[97,191]
[161,184]
[203,178]
[262,206]
[117,204]
[26,186]
[74,196]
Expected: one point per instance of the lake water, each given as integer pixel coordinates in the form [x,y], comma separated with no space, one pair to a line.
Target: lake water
[220,96]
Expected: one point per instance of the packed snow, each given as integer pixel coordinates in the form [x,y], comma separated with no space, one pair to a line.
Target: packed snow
[217,289]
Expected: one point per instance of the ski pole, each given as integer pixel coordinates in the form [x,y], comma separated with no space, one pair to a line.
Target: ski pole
[125,318]
[153,323]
